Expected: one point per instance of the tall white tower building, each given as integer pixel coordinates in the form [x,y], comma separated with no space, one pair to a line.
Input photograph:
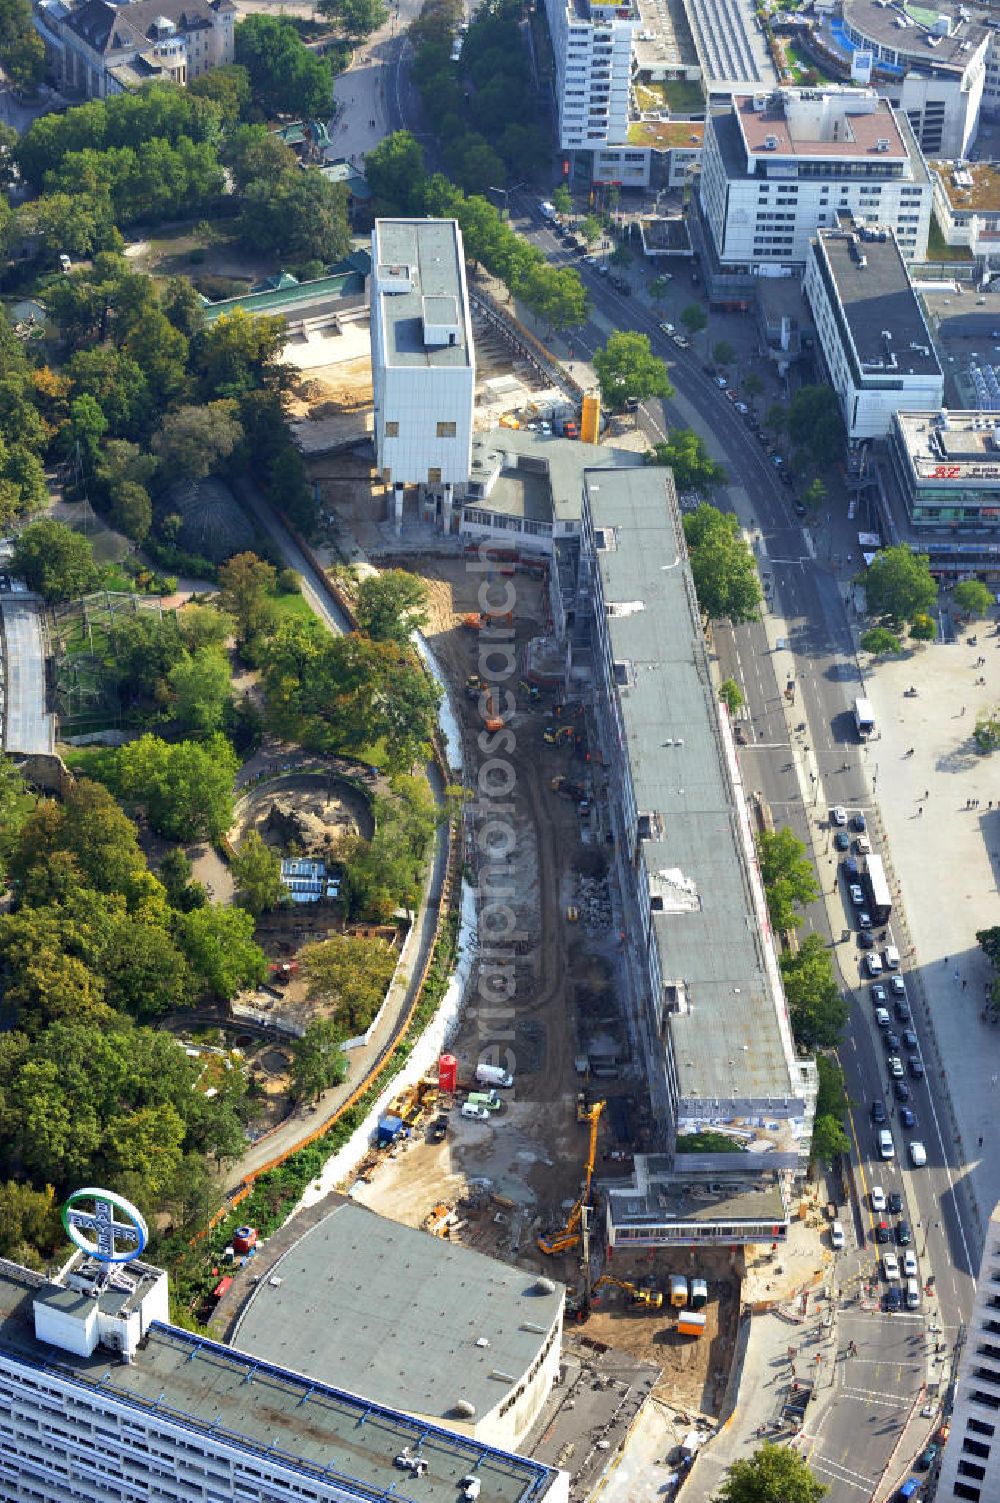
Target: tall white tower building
[970,1469]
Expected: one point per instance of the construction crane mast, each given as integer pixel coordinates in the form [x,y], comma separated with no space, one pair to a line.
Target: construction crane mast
[563,1240]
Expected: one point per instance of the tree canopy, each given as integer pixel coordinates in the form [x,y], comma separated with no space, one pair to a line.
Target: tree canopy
[285,77]
[879,641]
[687,455]
[628,371]
[391,605]
[788,876]
[55,561]
[815,423]
[722,564]
[773,1474]
[257,873]
[350,976]
[817,1011]
[973,597]
[899,586]
[185,787]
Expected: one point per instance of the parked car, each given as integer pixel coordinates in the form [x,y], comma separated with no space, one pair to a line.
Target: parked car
[910,1039]
[857,895]
[901,1090]
[927,1457]
[863,845]
[907,1115]
[836,1236]
[890,1266]
[852,869]
[668,328]
[874,964]
[882,1017]
[897,986]
[910,1264]
[891,1042]
[904,1233]
[838,816]
[896,1067]
[879,997]
[681,341]
[842,841]
[916,1067]
[866,939]
[858,822]
[877,1198]
[918,1154]
[882,1233]
[903,1010]
[895,1202]
[878,1112]
[892,1300]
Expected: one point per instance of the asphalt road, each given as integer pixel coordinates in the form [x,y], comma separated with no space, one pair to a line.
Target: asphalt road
[28,727]
[853,1447]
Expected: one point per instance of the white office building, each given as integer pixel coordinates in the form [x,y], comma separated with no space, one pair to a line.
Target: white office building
[592,49]
[970,1467]
[102,1401]
[776,167]
[870,328]
[423,361]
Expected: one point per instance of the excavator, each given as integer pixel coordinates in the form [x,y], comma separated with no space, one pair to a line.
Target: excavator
[569,1236]
[479,620]
[646,1295]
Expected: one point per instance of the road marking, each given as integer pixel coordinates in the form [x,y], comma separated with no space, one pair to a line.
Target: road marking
[842,1473]
[873,1396]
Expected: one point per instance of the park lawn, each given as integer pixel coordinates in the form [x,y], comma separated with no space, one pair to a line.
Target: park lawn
[291,607]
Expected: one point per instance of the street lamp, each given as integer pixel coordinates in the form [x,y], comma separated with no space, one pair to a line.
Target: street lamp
[506,194]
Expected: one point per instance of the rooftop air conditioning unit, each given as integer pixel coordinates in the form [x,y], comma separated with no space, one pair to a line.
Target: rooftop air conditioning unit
[770,143]
[882,144]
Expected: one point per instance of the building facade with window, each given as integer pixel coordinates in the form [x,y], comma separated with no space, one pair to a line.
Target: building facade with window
[870,328]
[592,53]
[423,360]
[970,1467]
[777,167]
[96,49]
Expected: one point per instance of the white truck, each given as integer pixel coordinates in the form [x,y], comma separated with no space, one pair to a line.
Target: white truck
[864,718]
[492,1075]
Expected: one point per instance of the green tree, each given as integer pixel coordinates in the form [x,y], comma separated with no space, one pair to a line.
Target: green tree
[396,174]
[923,628]
[257,873]
[55,561]
[131,510]
[722,564]
[731,695]
[831,1093]
[814,494]
[628,371]
[687,455]
[239,353]
[591,229]
[973,597]
[253,153]
[144,972]
[562,199]
[299,214]
[318,1060]
[89,827]
[694,318]
[351,976]
[201,687]
[21,52]
[186,787]
[220,948]
[879,641]
[817,1010]
[815,422]
[386,872]
[228,87]
[788,876]
[987,732]
[357,18]
[285,77]
[193,442]
[391,605]
[776,418]
[30,1226]
[752,384]
[175,873]
[773,1474]
[15,806]
[723,353]
[246,585]
[203,626]
[829,1140]
[142,651]
[659,289]
[899,585]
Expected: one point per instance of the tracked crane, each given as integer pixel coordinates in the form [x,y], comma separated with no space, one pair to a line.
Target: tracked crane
[569,1236]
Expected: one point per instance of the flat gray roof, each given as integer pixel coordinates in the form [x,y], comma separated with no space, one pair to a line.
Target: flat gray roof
[883,315]
[391,1312]
[550,487]
[433,249]
[657,1195]
[880,23]
[730,1044]
[271,1411]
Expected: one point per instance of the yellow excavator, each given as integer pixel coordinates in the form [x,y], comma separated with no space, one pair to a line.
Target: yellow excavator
[563,1240]
[647,1295]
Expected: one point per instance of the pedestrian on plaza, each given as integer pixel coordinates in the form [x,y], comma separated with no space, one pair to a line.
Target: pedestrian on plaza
[920,810]
[964,983]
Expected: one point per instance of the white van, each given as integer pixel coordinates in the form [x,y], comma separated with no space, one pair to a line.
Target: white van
[492,1075]
[837,1235]
[477,1113]
[547,209]
[891,956]
[873,964]
[912,1294]
[886,1147]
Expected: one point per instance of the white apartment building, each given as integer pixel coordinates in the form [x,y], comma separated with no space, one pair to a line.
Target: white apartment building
[103,1401]
[970,1467]
[870,327]
[967,206]
[592,48]
[423,361]
[775,168]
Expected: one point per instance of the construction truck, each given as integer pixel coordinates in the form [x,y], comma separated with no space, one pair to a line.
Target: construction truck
[473,686]
[645,1296]
[566,788]
[480,620]
[569,1235]
[555,735]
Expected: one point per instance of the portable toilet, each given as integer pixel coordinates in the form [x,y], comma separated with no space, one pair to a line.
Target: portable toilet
[691,1323]
[448,1073]
[244,1239]
[678,1290]
[389,1129]
[699,1294]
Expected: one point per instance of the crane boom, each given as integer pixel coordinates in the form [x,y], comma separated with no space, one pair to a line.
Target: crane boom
[570,1235]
